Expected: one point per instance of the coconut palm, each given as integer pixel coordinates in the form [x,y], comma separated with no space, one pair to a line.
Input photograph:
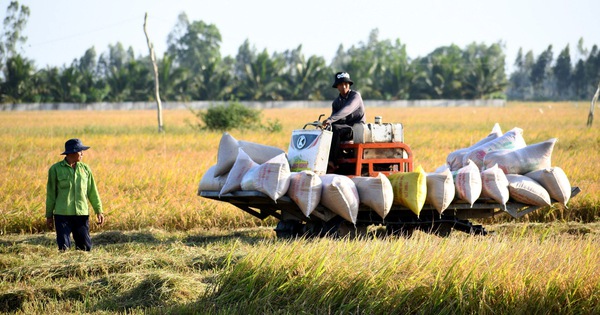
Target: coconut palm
[16,87]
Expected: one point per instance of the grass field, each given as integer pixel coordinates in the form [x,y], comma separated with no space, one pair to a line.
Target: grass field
[148,179]
[163,249]
[533,268]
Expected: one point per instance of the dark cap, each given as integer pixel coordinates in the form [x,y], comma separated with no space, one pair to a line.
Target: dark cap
[341,77]
[74,146]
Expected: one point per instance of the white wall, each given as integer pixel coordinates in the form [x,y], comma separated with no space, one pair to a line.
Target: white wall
[258,105]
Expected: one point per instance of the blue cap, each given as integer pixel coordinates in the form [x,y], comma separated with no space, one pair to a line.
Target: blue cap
[74,146]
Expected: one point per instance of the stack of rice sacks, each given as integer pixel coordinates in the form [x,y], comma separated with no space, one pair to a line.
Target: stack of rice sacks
[243,165]
[508,168]
[500,167]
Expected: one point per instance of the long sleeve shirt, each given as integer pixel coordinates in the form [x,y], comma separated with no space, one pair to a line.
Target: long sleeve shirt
[348,110]
[68,190]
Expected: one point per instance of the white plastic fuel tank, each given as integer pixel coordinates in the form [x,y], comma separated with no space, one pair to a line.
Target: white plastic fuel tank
[309,150]
[378,132]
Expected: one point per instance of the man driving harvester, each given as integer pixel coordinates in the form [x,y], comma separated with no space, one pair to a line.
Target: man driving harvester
[346,110]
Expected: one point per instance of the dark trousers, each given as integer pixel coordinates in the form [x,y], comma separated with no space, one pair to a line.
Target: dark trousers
[341,132]
[79,225]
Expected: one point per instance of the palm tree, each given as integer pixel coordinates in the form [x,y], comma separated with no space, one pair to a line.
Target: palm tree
[16,87]
[262,79]
[484,71]
[211,83]
[438,75]
[173,84]
[117,79]
[140,81]
[304,79]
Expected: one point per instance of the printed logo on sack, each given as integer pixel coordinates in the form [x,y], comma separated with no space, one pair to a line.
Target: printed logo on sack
[303,141]
[298,165]
[343,75]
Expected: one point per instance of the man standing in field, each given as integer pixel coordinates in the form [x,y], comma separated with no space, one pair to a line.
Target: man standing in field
[70,186]
[346,110]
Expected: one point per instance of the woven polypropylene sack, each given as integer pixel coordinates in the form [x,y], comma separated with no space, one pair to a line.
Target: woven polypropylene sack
[455,159]
[228,151]
[242,165]
[376,193]
[271,177]
[526,190]
[521,161]
[495,185]
[410,189]
[210,182]
[305,190]
[440,190]
[555,181]
[226,155]
[512,139]
[467,182]
[260,153]
[339,194]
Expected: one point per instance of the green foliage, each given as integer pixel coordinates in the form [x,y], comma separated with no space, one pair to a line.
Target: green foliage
[195,45]
[562,72]
[541,69]
[17,87]
[440,75]
[273,126]
[484,71]
[193,69]
[228,117]
[12,31]
[565,78]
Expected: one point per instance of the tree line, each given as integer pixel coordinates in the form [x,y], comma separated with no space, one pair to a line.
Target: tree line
[543,78]
[192,68]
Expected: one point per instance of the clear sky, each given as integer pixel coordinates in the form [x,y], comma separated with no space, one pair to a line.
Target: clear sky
[59,31]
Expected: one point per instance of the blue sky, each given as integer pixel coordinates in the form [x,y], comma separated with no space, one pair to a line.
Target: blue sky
[61,30]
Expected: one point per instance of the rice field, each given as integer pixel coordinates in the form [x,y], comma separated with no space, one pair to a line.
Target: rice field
[164,250]
[523,269]
[148,179]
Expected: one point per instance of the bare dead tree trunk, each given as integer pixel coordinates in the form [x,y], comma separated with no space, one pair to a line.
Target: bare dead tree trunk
[592,106]
[156,85]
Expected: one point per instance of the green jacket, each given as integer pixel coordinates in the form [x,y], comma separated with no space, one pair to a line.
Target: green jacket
[68,190]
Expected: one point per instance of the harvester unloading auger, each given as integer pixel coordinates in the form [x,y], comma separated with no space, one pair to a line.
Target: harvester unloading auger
[376,182]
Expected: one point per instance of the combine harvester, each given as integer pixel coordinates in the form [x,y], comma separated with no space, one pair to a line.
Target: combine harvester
[377,151]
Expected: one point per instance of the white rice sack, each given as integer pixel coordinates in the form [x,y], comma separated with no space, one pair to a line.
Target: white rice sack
[242,165]
[339,194]
[210,182]
[467,182]
[496,130]
[555,181]
[228,150]
[305,190]
[521,161]
[526,190]
[442,168]
[440,190]
[376,193]
[271,178]
[455,159]
[495,185]
[512,139]
[248,180]
[260,153]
